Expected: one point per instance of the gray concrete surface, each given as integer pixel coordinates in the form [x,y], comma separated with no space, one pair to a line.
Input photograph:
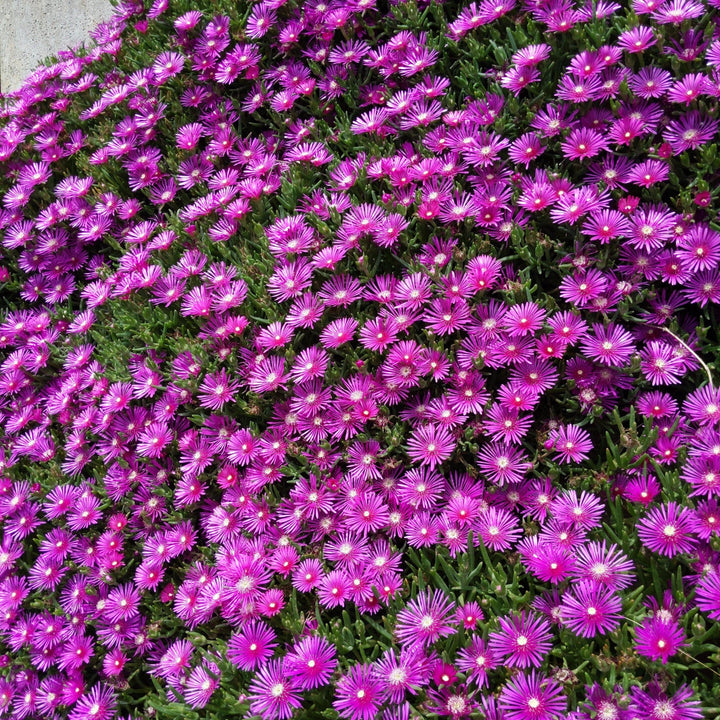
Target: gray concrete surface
[32,30]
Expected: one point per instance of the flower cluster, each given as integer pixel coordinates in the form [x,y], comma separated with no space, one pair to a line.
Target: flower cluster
[351,354]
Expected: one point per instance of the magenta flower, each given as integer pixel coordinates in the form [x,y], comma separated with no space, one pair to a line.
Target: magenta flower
[531,55]
[583,143]
[588,609]
[368,514]
[338,332]
[707,595]
[637,39]
[653,702]
[268,375]
[548,561]
[582,512]
[272,694]
[363,459]
[703,406]
[502,464]
[334,589]
[252,646]
[309,365]
[421,488]
[421,529]
[660,365]
[430,445]
[311,662]
[689,87]
[384,350]
[611,345]
[690,131]
[497,528]
[448,315]
[290,280]
[532,697]
[506,425]
[378,334]
[358,694]
[476,660]
[201,686]
[522,640]
[651,227]
[122,603]
[659,638]
[425,619]
[175,660]
[98,704]
[667,530]
[400,674]
[571,442]
[524,318]
[607,566]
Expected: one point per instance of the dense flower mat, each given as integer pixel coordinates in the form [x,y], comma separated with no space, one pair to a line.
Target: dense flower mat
[357,361]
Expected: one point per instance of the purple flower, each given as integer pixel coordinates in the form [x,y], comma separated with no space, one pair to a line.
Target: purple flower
[637,39]
[311,662]
[272,693]
[497,528]
[98,704]
[338,332]
[667,529]
[702,406]
[502,464]
[570,510]
[571,442]
[476,660]
[588,609]
[707,595]
[430,445]
[654,702]
[252,646]
[532,697]
[607,566]
[175,661]
[522,640]
[201,685]
[425,619]
[358,694]
[659,638]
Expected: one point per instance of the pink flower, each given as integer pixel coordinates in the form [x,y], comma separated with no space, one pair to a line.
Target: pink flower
[311,662]
[659,638]
[610,345]
[216,390]
[425,619]
[430,445]
[571,442]
[522,640]
[532,697]
[628,204]
[502,464]
[637,39]
[497,528]
[588,609]
[707,595]
[667,529]
[272,694]
[702,199]
[338,332]
[523,319]
[98,704]
[358,694]
[583,143]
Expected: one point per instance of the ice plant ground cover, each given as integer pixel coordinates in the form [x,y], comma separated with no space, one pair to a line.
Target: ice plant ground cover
[358,360]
